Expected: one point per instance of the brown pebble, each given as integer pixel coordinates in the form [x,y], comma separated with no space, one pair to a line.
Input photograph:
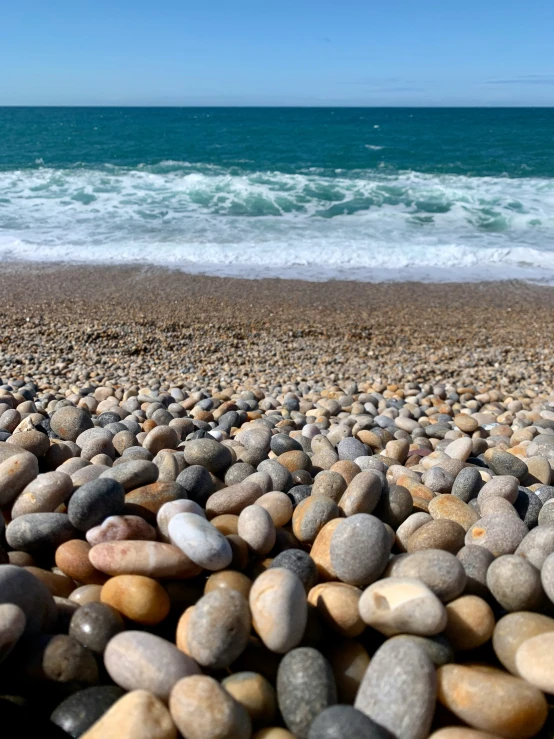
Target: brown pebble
[470,622]
[139,598]
[73,560]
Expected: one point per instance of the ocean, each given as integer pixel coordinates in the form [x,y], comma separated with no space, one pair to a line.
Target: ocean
[347,193]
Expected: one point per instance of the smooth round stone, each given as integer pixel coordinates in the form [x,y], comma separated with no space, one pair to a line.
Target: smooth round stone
[321,550]
[121,528]
[238,472]
[300,563]
[311,515]
[515,629]
[537,545]
[86,594]
[208,453]
[470,622]
[233,499]
[58,584]
[94,624]
[438,647]
[81,710]
[409,526]
[402,605]
[279,474]
[534,663]
[229,579]
[467,484]
[439,570]
[278,505]
[256,527]
[198,483]
[491,700]
[72,558]
[503,463]
[137,715]
[341,721]
[150,558]
[359,549]
[528,506]
[227,524]
[161,437]
[64,660]
[136,660]
[466,423]
[200,541]
[515,583]
[135,473]
[44,494]
[338,606]
[40,533]
[438,480]
[16,472]
[298,493]
[452,508]
[545,493]
[494,506]
[172,508]
[94,502]
[147,501]
[330,484]
[279,609]
[500,534]
[398,691]
[503,486]
[362,495]
[138,598]
[437,534]
[69,422]
[546,514]
[305,687]
[202,709]
[255,694]
[86,474]
[350,448]
[395,505]
[475,561]
[218,629]
[12,626]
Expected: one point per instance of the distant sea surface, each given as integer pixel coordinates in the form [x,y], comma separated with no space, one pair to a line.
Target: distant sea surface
[363,194]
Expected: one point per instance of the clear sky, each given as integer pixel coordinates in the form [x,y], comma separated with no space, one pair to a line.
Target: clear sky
[290,52]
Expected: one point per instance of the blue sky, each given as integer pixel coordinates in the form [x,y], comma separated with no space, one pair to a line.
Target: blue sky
[291,52]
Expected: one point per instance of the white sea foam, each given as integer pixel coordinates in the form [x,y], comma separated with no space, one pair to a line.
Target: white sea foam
[364,225]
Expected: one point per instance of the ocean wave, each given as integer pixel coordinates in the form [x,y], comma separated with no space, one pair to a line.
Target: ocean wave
[366,224]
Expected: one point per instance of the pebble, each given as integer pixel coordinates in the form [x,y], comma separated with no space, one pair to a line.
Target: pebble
[437,534]
[475,561]
[137,715]
[149,558]
[12,627]
[16,472]
[330,484]
[133,474]
[40,533]
[300,563]
[503,463]
[200,541]
[359,549]
[499,533]
[443,574]
[467,484]
[218,628]
[453,509]
[77,713]
[343,720]
[72,558]
[398,690]
[278,505]
[470,622]
[136,660]
[305,687]
[136,597]
[233,499]
[43,494]
[86,594]
[395,505]
[208,453]
[402,605]
[255,694]
[69,422]
[338,606]
[122,528]
[95,501]
[533,661]
[409,526]
[94,624]
[279,609]
[256,528]
[513,630]
[202,709]
[515,583]
[311,515]
[491,700]
[362,495]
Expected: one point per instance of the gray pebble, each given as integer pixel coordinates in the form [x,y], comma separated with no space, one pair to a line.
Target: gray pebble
[209,453]
[360,548]
[475,561]
[94,502]
[537,545]
[338,722]
[23,589]
[133,474]
[515,583]
[69,422]
[500,534]
[438,569]
[40,533]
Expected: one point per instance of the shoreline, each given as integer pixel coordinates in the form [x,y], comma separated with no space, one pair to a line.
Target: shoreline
[139,323]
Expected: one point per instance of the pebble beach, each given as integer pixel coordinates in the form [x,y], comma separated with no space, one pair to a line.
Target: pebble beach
[267,509]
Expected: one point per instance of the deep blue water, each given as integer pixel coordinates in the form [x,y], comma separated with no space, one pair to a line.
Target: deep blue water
[366,193]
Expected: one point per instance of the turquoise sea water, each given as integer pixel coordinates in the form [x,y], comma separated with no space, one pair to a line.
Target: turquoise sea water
[373,193]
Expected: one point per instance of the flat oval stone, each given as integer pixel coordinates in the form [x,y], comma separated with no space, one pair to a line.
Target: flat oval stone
[321,550]
[40,533]
[138,598]
[218,628]
[200,541]
[228,579]
[146,501]
[491,700]
[16,472]
[256,527]
[362,495]
[255,694]
[402,605]
[94,624]
[73,560]
[360,548]
[500,534]
[311,515]
[136,660]
[172,508]
[515,583]
[208,453]
[81,710]
[197,482]
[300,563]
[409,526]
[121,528]
[305,687]
[161,437]
[43,494]
[69,422]
[533,661]
[399,689]
[537,545]
[470,622]
[149,558]
[337,604]
[503,463]
[340,721]
[279,609]
[133,474]
[438,534]
[454,509]
[503,486]
[278,505]
[95,501]
[475,561]
[443,574]
[137,715]
[395,505]
[12,626]
[203,709]
[467,484]
[513,630]
[233,499]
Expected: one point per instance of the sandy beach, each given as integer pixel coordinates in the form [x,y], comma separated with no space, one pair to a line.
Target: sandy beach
[139,324]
